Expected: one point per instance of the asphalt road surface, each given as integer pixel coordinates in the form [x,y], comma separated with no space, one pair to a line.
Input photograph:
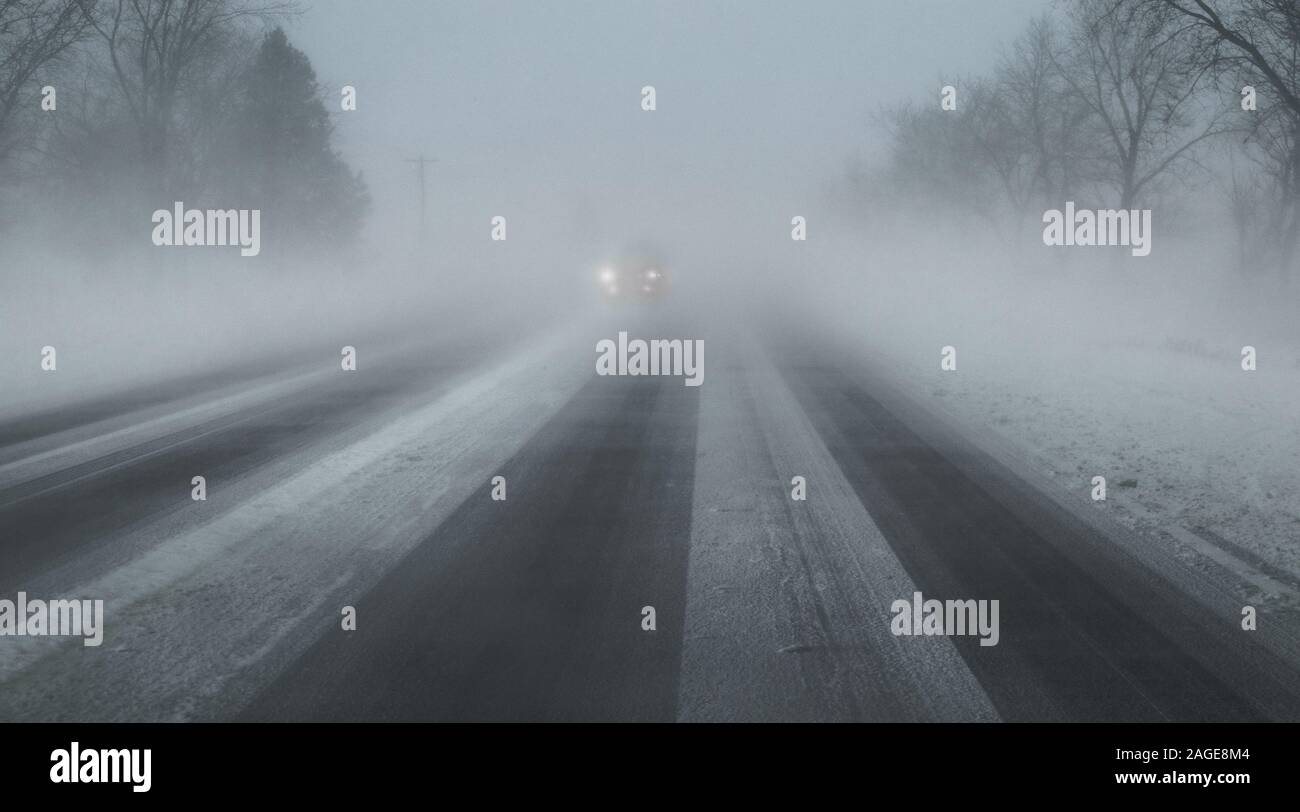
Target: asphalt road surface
[370,492]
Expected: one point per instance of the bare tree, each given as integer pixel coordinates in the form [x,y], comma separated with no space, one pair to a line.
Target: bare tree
[1260,45]
[154,47]
[1043,112]
[936,159]
[1012,145]
[1244,189]
[984,159]
[33,34]
[1138,72]
[995,139]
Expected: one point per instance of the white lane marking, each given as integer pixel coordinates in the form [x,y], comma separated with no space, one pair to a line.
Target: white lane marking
[750,614]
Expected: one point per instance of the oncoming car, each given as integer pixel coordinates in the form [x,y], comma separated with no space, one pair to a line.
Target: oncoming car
[632,278]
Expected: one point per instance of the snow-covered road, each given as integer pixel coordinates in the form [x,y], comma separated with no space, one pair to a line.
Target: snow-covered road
[373,490]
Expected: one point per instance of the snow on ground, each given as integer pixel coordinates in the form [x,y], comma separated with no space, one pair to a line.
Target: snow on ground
[208,608]
[1090,366]
[122,325]
[1183,441]
[784,598]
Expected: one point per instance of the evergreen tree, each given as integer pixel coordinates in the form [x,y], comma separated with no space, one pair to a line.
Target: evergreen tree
[286,165]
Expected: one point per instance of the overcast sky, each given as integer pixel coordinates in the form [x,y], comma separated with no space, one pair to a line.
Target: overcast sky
[533,108]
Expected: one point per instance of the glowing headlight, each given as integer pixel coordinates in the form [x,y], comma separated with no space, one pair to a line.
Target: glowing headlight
[607,276]
[652,274]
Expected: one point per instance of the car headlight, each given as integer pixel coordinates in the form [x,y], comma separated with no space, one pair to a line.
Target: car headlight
[607,276]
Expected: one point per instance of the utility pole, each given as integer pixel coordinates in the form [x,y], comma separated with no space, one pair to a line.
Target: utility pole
[421,161]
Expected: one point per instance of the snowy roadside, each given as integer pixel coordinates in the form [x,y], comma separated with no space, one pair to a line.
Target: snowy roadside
[119,330]
[1133,373]
[1187,444]
[210,610]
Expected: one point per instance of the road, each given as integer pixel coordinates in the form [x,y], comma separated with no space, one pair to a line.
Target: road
[370,492]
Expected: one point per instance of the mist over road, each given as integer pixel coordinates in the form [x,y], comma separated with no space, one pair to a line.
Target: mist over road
[373,490]
[741,361]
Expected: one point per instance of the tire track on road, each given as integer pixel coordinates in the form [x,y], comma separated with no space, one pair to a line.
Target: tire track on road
[530,608]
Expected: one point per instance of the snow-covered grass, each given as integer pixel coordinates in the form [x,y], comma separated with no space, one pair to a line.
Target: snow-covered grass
[1182,440]
[162,313]
[1096,365]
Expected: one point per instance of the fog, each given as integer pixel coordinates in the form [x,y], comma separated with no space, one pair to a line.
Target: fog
[290,289]
[533,112]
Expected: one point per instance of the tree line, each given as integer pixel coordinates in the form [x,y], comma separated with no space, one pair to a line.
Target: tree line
[111,105]
[1124,104]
